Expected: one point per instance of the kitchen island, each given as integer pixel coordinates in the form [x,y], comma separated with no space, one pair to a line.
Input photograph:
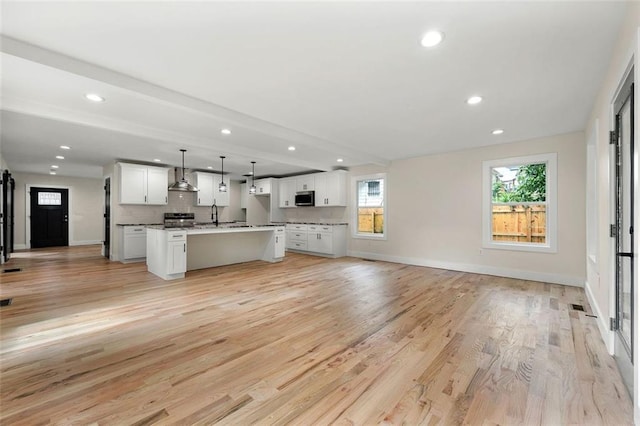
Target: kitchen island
[173,251]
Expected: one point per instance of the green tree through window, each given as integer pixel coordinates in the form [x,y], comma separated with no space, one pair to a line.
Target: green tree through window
[529,185]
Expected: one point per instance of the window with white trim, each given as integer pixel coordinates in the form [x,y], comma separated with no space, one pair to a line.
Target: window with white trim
[520,203]
[370,213]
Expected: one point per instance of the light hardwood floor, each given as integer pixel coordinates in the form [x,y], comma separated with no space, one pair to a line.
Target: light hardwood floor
[306,341]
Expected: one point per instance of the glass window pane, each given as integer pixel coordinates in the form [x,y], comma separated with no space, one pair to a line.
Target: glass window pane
[370,206]
[49,199]
[520,183]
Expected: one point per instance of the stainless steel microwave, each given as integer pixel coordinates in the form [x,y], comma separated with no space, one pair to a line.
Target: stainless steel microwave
[305,198]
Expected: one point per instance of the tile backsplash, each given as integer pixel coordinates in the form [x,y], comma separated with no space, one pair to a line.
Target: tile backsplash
[182,202]
[317,214]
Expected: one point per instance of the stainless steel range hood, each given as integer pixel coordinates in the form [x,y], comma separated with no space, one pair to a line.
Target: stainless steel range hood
[182,184]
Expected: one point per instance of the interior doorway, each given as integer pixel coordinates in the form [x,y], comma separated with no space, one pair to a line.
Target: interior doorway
[49,217]
[625,152]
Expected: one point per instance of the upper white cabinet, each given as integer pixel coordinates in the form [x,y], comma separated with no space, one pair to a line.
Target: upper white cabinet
[221,198]
[140,184]
[263,186]
[204,183]
[305,183]
[287,189]
[331,188]
[208,193]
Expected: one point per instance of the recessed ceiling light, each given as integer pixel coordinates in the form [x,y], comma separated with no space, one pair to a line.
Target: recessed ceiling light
[225,131]
[64,147]
[432,38]
[53,166]
[52,172]
[474,100]
[59,157]
[157,160]
[497,132]
[339,160]
[94,98]
[292,148]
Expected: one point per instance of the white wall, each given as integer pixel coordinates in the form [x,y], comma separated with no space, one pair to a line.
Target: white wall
[600,286]
[435,213]
[86,204]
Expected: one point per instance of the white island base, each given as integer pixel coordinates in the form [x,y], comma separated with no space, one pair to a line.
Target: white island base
[170,253]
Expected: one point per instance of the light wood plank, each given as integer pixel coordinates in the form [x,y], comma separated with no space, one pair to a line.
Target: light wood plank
[306,341]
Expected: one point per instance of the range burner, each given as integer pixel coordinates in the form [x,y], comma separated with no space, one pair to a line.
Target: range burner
[179,220]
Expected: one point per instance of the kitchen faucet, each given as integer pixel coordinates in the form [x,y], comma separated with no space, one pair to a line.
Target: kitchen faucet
[214,206]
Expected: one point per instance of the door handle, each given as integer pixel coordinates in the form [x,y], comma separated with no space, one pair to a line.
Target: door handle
[625,254]
[66,218]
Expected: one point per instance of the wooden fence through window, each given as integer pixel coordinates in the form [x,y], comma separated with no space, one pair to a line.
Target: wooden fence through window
[521,223]
[370,220]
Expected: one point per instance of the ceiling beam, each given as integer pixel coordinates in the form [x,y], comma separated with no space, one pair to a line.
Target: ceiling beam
[161,94]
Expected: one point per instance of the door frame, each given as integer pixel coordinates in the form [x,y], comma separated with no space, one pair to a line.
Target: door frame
[632,66]
[27,219]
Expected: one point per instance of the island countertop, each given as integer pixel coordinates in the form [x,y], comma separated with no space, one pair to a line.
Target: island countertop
[173,251]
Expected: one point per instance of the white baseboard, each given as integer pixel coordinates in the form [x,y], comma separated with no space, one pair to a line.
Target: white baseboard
[85,242]
[477,269]
[603,323]
[71,243]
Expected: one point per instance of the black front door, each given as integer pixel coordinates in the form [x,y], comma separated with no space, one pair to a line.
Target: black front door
[49,217]
[107,217]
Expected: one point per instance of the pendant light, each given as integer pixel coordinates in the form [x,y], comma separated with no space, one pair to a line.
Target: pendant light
[223,186]
[252,188]
[182,184]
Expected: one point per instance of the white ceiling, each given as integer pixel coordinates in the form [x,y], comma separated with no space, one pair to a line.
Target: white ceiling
[335,79]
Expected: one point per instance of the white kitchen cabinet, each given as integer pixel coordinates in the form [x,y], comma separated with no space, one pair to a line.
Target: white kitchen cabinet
[140,184]
[280,242]
[263,186]
[331,188]
[287,188]
[167,252]
[208,193]
[324,240]
[320,239]
[221,198]
[157,185]
[297,236]
[244,195]
[204,183]
[177,259]
[305,183]
[133,243]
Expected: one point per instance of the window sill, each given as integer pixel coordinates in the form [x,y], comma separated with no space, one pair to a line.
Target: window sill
[533,248]
[369,236]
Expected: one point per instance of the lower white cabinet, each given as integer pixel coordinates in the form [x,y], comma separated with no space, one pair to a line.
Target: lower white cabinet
[326,240]
[297,236]
[133,243]
[177,257]
[280,242]
[320,239]
[167,253]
